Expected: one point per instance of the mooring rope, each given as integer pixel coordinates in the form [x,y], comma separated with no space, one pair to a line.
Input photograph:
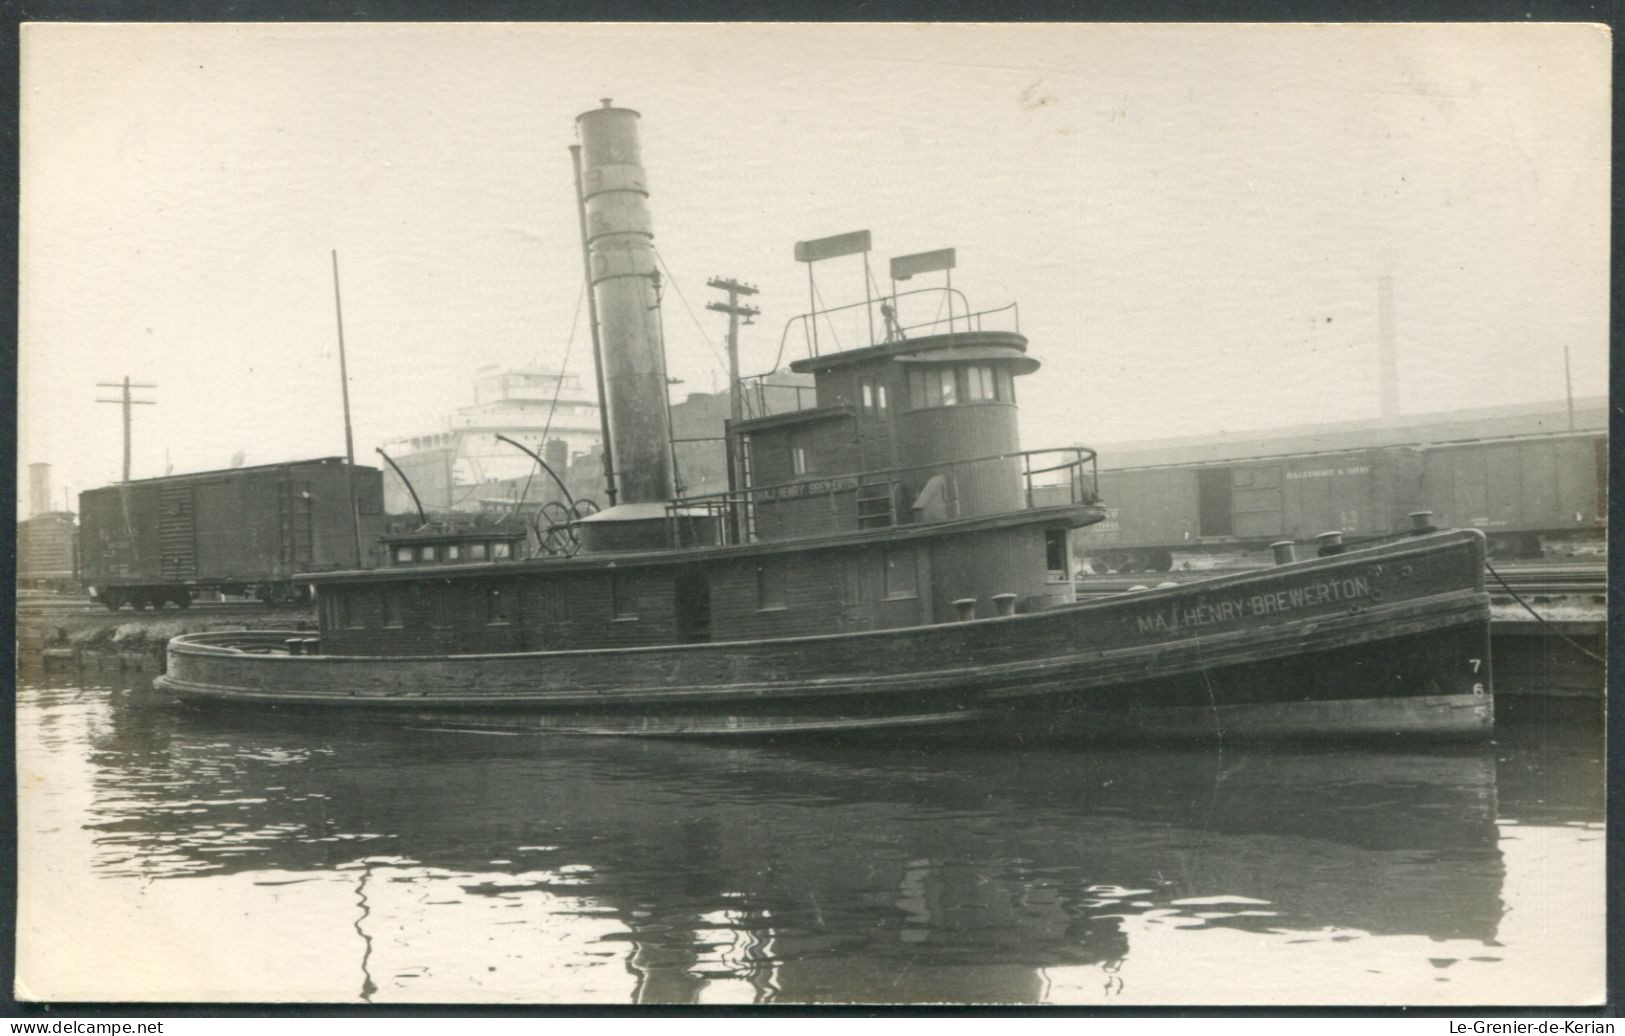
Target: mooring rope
[1575,644]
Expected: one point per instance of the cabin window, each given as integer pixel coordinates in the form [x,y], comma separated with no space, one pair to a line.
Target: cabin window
[349,611]
[501,551]
[497,603]
[770,585]
[452,552]
[901,579]
[623,595]
[1006,385]
[426,553]
[801,459]
[949,384]
[394,606]
[403,555]
[1055,554]
[874,397]
[476,551]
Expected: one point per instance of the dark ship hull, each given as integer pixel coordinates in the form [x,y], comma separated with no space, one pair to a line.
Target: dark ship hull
[1391,640]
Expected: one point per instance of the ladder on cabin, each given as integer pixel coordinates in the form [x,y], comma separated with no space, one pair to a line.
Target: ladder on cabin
[877,505]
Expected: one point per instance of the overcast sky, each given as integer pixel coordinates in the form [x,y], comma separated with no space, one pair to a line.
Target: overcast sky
[1193,219]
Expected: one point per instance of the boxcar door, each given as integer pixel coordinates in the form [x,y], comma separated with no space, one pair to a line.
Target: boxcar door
[177,544]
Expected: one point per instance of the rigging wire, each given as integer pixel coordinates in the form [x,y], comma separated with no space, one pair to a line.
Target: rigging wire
[832,332]
[672,278]
[558,387]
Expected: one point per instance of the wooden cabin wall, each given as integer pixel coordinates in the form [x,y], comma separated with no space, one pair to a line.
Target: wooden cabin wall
[811,597]
[600,609]
[820,515]
[998,561]
[831,443]
[945,433]
[558,611]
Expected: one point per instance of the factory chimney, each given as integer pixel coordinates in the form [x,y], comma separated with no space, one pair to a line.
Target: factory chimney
[625,287]
[39,489]
[1388,350]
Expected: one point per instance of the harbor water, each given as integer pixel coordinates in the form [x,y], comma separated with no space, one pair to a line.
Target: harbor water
[175,854]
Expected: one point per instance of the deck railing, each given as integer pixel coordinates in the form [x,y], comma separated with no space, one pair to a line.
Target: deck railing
[884,316]
[820,505]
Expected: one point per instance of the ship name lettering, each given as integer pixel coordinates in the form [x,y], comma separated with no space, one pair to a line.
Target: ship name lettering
[1212,613]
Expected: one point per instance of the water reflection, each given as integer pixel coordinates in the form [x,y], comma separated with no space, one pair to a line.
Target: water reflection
[878,872]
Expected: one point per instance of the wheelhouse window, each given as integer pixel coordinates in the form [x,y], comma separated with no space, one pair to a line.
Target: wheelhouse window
[952,386]
[403,555]
[426,553]
[770,585]
[452,552]
[501,551]
[902,581]
[476,551]
[979,384]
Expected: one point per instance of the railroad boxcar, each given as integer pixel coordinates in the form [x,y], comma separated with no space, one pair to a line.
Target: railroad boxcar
[1531,495]
[248,530]
[1157,512]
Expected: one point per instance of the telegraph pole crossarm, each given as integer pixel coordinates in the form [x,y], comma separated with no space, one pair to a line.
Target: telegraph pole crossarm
[127,402]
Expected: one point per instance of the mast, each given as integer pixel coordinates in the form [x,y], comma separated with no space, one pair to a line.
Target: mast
[349,439]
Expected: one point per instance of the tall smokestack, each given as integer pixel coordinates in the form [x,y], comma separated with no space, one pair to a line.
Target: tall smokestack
[1388,350]
[622,263]
[39,489]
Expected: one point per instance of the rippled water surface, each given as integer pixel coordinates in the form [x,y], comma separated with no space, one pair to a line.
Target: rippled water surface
[175,854]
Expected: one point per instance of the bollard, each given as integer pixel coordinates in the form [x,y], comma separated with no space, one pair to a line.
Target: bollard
[1422,522]
[1004,604]
[295,645]
[313,645]
[1330,543]
[1283,552]
[966,607]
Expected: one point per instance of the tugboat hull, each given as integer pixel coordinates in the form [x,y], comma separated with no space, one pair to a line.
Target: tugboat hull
[1391,640]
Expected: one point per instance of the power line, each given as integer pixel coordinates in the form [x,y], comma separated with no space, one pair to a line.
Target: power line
[721,364]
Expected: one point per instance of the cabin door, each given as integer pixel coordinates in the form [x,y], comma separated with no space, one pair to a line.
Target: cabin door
[857,608]
[693,603]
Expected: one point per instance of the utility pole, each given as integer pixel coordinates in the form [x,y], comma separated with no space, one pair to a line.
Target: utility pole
[736,409]
[736,392]
[1568,384]
[127,402]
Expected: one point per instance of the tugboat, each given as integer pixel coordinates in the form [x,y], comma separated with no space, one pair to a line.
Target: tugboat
[888,557]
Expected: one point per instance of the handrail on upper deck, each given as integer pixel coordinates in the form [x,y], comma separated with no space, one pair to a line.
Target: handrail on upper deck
[734,510]
[973,321]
